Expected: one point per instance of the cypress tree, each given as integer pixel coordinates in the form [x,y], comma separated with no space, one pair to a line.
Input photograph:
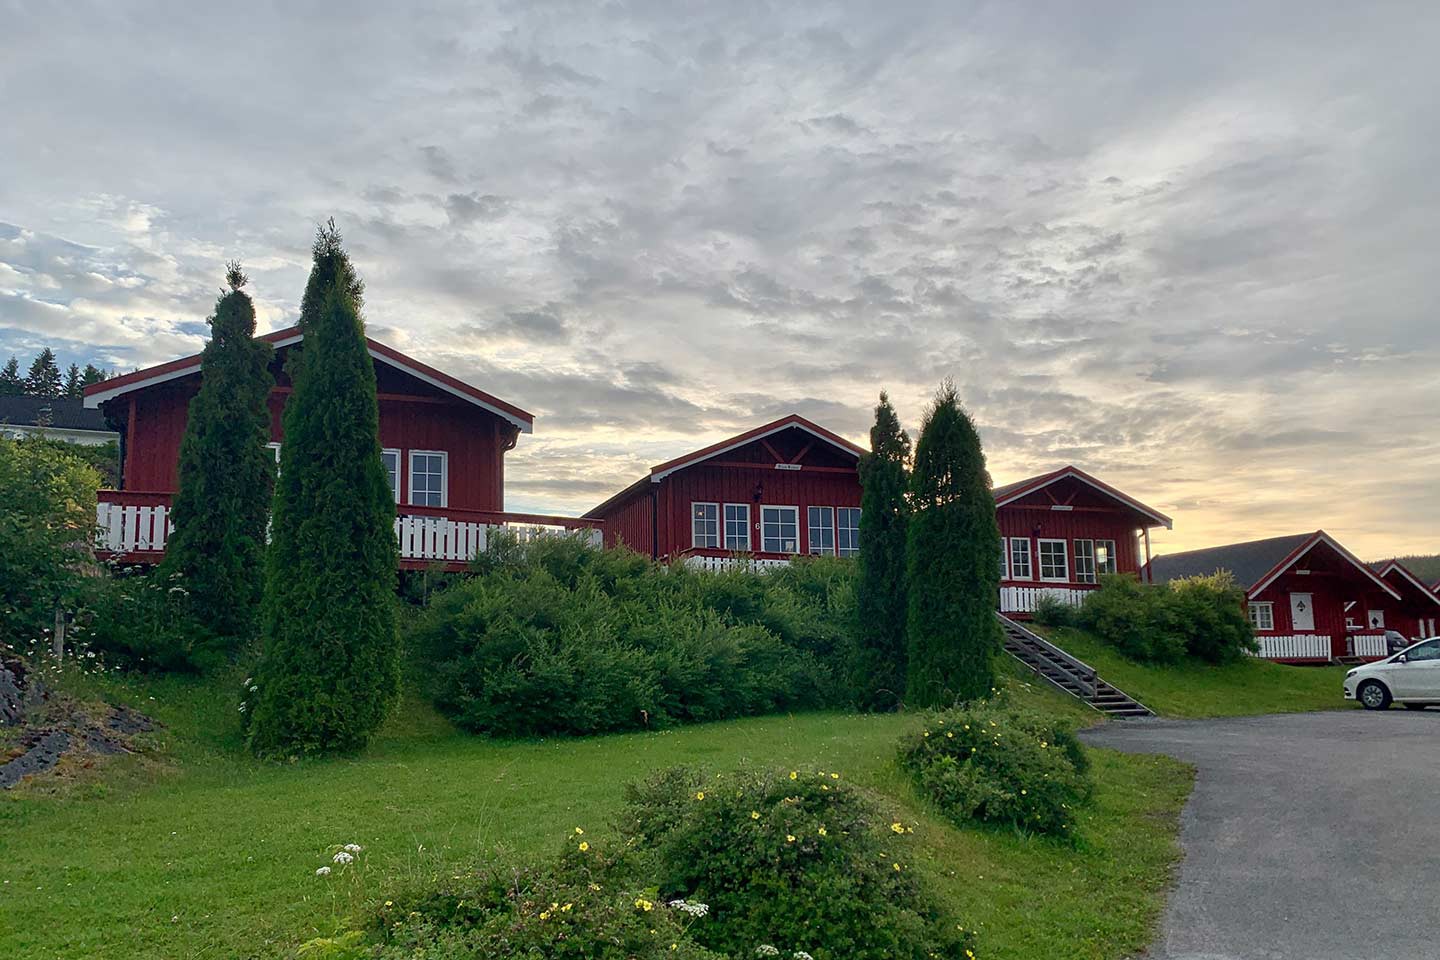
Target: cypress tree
[226,473]
[878,675]
[73,389]
[11,383]
[330,666]
[953,561]
[43,380]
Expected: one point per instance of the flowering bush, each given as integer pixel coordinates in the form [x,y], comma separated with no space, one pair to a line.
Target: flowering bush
[990,763]
[790,863]
[141,621]
[558,637]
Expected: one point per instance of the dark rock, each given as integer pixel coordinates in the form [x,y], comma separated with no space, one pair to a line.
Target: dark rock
[42,756]
[12,697]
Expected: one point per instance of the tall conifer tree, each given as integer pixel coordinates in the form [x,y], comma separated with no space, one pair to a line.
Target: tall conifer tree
[878,675]
[92,375]
[73,389]
[953,558]
[11,383]
[226,473]
[43,380]
[330,667]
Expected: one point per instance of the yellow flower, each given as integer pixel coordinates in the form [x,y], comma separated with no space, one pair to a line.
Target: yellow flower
[834,776]
[822,831]
[389,903]
[789,838]
[566,908]
[754,814]
[700,795]
[544,914]
[645,905]
[578,831]
[950,734]
[897,827]
[794,775]
[896,866]
[584,845]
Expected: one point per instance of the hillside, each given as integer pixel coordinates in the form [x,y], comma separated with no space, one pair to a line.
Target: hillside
[1426,567]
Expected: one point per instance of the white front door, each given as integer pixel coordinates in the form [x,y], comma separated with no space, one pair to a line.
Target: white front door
[1302,611]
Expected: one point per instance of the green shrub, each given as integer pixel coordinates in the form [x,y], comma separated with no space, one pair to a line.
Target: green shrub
[795,861]
[992,764]
[144,621]
[47,524]
[1050,612]
[1201,617]
[556,636]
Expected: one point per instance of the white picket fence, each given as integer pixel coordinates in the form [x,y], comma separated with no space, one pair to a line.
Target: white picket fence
[1297,646]
[1025,599]
[1369,645]
[126,528]
[719,564]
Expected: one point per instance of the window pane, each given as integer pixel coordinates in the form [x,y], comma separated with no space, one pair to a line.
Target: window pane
[391,459]
[822,530]
[1108,564]
[1052,560]
[737,526]
[780,529]
[847,531]
[1020,558]
[1084,561]
[427,479]
[705,524]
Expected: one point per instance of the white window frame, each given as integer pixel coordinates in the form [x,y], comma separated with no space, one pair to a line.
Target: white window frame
[1374,619]
[1111,564]
[854,549]
[274,448]
[444,476]
[1262,615]
[794,512]
[713,520]
[399,459]
[1004,558]
[1064,560]
[725,522]
[825,513]
[1085,557]
[1015,566]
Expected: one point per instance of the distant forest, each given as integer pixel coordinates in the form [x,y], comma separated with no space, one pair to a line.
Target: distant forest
[44,378]
[1425,567]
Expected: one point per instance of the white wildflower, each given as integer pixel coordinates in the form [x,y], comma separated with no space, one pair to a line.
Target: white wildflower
[344,857]
[765,950]
[352,848]
[802,955]
[323,872]
[693,909]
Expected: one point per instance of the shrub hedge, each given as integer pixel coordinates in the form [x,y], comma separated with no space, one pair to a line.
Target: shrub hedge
[992,763]
[557,637]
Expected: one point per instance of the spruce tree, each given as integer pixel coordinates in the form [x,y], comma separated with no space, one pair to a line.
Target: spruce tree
[329,670]
[92,375]
[227,474]
[11,383]
[73,389]
[878,674]
[43,380]
[953,562]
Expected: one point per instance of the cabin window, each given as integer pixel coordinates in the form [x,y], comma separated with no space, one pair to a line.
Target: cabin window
[1054,567]
[1084,561]
[847,531]
[780,529]
[1004,559]
[1375,619]
[1262,616]
[704,524]
[1020,558]
[391,459]
[428,487]
[822,530]
[737,527]
[1105,556]
[275,449]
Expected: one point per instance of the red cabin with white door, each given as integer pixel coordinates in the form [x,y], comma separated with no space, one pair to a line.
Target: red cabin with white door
[443,440]
[1417,616]
[1061,531]
[1309,599]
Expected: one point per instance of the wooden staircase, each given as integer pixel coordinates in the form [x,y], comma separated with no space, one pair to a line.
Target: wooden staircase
[1067,673]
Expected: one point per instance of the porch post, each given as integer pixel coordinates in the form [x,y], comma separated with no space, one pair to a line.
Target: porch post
[1149,574]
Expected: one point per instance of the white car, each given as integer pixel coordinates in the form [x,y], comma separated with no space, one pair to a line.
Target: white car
[1411,677]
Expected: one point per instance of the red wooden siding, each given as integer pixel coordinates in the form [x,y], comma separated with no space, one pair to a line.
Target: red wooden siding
[1332,582]
[1092,516]
[413,416]
[629,523]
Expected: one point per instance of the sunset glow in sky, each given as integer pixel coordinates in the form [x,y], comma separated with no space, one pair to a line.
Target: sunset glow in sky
[1188,248]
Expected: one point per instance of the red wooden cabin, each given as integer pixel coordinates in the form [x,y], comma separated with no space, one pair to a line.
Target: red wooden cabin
[1061,531]
[444,444]
[1309,599]
[788,487]
[1418,613]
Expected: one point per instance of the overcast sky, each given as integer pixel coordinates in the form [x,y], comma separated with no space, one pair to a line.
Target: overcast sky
[1191,248]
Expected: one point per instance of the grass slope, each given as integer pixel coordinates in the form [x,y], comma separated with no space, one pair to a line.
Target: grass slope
[1195,689]
[210,854]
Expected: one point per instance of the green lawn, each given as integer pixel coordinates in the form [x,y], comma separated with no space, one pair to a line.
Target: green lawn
[1195,689]
[204,853]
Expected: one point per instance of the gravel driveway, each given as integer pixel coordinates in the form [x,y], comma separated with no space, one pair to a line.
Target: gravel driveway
[1310,836]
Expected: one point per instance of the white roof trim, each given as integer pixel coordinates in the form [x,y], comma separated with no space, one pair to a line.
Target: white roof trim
[94,400]
[1135,504]
[657,477]
[1324,538]
[1392,565]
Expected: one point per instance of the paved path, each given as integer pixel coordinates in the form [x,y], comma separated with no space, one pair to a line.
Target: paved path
[1309,836]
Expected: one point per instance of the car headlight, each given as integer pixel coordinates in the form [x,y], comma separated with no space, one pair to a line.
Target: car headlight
[1351,674]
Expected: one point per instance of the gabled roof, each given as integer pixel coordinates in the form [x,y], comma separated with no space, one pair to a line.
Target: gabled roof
[1394,568]
[1255,563]
[98,393]
[1010,492]
[662,470]
[61,414]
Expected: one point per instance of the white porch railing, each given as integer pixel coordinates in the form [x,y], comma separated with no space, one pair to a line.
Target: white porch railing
[1297,646]
[143,528]
[1369,645]
[719,564]
[1025,599]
